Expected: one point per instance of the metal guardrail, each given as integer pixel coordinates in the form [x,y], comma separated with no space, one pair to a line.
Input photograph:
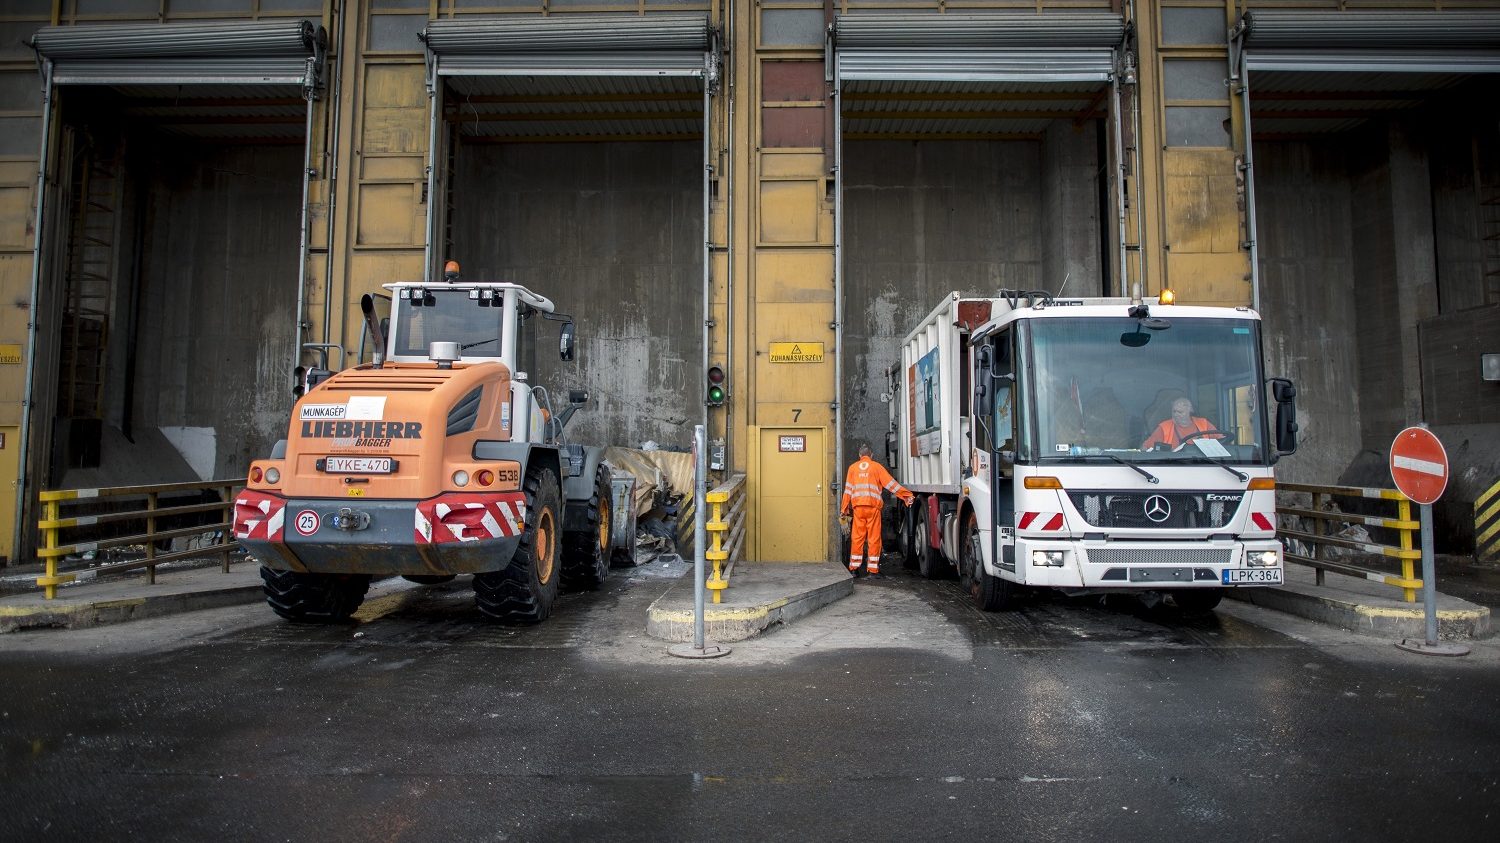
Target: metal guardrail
[726,530]
[53,524]
[1323,537]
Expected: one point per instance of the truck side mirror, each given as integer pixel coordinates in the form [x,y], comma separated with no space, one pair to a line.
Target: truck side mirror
[565,342]
[1285,394]
[984,393]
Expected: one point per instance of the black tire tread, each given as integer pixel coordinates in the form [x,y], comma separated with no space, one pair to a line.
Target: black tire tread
[585,561]
[513,596]
[990,593]
[313,598]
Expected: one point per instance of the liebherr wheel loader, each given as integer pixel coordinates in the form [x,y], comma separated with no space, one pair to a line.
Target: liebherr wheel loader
[435,460]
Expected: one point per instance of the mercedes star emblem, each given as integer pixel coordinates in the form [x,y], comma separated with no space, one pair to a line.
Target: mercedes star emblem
[1157,508]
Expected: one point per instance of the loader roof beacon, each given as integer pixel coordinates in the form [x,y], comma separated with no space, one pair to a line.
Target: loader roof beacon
[436,459]
[1025,423]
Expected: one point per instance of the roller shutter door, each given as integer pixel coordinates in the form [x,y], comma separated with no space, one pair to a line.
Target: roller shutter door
[979,47]
[285,52]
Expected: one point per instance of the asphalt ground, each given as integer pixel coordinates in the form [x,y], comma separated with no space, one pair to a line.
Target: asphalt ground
[898,712]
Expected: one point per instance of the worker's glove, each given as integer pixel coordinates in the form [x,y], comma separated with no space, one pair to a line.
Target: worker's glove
[845,522]
[910,501]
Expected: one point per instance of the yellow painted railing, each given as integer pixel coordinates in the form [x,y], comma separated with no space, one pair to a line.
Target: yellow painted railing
[1324,529]
[726,530]
[146,519]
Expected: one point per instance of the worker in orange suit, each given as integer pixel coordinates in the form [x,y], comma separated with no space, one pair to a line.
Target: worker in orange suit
[862,499]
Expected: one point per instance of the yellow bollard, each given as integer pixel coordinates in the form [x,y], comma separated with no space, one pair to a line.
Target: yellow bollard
[1408,572]
[715,553]
[51,580]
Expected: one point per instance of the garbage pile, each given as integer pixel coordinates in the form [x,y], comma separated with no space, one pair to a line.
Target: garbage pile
[662,502]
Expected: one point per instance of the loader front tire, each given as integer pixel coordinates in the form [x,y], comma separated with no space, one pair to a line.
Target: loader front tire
[313,598]
[524,591]
[586,552]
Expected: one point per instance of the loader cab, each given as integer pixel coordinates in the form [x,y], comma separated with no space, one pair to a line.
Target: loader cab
[482,318]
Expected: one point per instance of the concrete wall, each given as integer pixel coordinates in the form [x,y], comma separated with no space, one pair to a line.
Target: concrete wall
[922,219]
[1372,294]
[218,290]
[1304,205]
[613,234]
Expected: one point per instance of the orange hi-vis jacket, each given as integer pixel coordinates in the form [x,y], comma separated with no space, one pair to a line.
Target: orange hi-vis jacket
[864,483]
[1168,433]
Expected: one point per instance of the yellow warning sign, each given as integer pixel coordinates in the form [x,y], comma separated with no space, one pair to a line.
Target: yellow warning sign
[796,352]
[10,353]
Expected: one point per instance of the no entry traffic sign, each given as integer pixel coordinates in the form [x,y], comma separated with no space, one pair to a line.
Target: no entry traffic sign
[1419,465]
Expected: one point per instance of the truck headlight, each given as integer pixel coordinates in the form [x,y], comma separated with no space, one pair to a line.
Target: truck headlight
[460,478]
[1262,559]
[273,476]
[1047,558]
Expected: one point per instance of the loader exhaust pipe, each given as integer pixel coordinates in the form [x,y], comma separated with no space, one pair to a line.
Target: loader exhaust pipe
[372,322]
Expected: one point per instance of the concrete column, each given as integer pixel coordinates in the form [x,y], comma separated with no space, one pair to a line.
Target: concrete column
[1396,276]
[1070,209]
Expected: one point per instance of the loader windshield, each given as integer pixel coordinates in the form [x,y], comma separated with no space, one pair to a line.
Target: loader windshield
[1109,389]
[451,317]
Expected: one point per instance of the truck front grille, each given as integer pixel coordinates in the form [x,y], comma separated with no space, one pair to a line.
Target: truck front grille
[1183,556]
[1170,510]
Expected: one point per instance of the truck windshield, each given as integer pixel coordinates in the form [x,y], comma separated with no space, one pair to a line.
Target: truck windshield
[453,317]
[1112,388]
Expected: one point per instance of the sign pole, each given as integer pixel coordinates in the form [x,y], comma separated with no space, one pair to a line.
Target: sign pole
[699,648]
[1429,577]
[1419,466]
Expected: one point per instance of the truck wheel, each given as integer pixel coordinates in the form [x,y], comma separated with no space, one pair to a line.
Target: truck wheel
[930,561]
[523,592]
[906,537]
[313,598]
[586,552]
[989,593]
[1195,602]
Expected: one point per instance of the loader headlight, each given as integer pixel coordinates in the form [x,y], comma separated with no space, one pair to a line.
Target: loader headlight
[1262,559]
[460,478]
[273,476]
[1047,558]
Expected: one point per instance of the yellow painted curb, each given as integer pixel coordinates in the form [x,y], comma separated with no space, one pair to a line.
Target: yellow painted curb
[1417,613]
[711,614]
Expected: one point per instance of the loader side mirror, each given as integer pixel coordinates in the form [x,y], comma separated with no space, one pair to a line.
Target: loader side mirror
[566,342]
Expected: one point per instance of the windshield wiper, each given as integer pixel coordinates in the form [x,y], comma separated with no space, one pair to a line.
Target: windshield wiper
[1243,478]
[1127,463]
[468,345]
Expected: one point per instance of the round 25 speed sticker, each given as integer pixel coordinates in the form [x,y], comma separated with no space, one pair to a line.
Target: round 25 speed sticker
[307,522]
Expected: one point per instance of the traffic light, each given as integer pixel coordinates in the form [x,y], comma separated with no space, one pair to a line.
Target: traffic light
[715,386]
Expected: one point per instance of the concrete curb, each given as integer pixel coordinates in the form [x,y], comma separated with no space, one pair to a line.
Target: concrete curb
[78,614]
[1457,619]
[667,620]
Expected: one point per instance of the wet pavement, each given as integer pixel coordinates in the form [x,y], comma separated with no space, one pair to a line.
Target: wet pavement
[899,712]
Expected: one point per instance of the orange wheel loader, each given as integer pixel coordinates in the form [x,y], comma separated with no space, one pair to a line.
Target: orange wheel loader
[437,459]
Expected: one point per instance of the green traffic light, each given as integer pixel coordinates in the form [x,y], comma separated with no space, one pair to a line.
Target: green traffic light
[716,395]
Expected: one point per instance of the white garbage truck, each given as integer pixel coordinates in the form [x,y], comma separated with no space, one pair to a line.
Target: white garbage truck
[1097,445]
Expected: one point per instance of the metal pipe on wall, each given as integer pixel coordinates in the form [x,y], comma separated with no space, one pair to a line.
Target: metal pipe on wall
[727,180]
[836,482]
[435,96]
[708,244]
[330,194]
[43,162]
[304,235]
[1116,127]
[1250,188]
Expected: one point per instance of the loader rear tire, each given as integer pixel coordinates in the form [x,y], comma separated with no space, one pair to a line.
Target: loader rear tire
[313,598]
[586,552]
[524,591]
